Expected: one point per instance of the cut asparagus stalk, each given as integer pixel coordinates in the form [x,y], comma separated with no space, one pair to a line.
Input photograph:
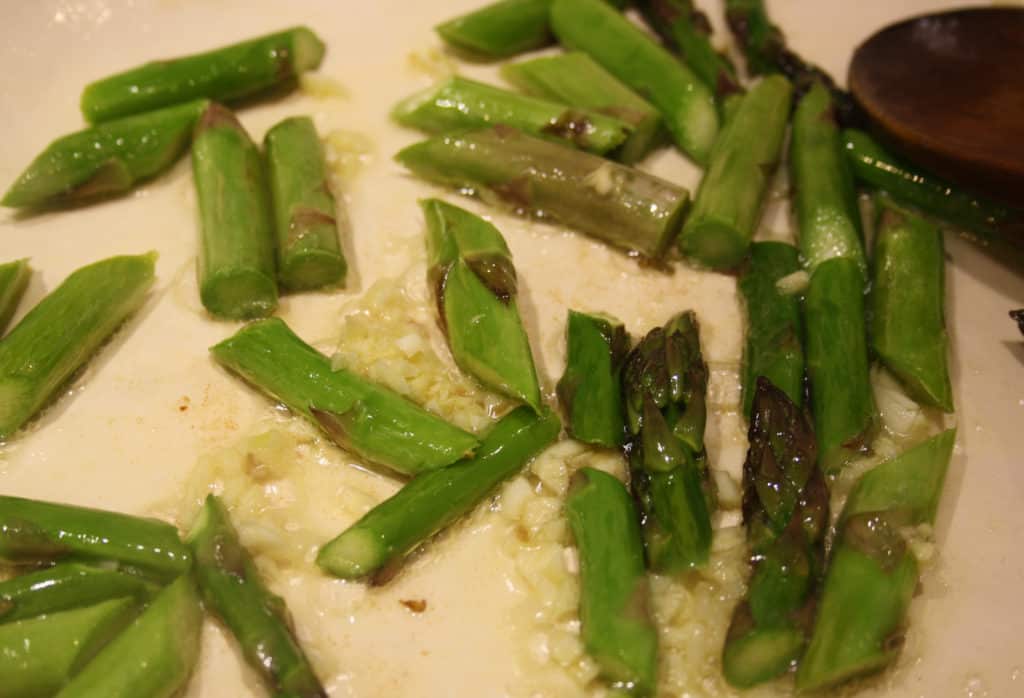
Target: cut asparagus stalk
[615,626]
[459,104]
[358,415]
[685,103]
[154,657]
[236,250]
[106,159]
[14,278]
[727,207]
[908,327]
[774,346]
[59,334]
[837,362]
[39,655]
[224,74]
[872,573]
[470,271]
[826,203]
[308,252]
[785,509]
[620,205]
[664,389]
[33,532]
[590,389]
[501,29]
[66,586]
[429,503]
[231,588]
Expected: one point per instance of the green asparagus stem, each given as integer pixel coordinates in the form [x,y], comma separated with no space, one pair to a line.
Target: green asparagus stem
[459,104]
[837,362]
[106,159]
[727,208]
[501,29]
[575,79]
[154,657]
[363,417]
[616,628]
[785,509]
[224,74]
[474,283]
[236,251]
[232,589]
[872,165]
[66,586]
[39,655]
[664,389]
[308,252]
[59,334]
[775,332]
[872,573]
[622,206]
[590,389]
[826,203]
[429,503]
[908,327]
[14,278]
[32,532]
[685,103]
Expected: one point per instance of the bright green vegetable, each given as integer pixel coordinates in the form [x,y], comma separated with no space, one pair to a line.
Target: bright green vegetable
[501,29]
[65,586]
[14,278]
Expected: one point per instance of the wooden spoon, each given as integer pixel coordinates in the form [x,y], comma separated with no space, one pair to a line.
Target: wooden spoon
[947,90]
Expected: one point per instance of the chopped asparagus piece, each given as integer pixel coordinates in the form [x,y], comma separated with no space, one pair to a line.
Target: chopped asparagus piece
[590,389]
[501,29]
[14,278]
[65,586]
[236,251]
[620,205]
[226,73]
[470,271]
[358,415]
[430,502]
[308,252]
[106,159]
[154,657]
[685,103]
[59,334]
[459,104]
[727,208]
[232,589]
[616,628]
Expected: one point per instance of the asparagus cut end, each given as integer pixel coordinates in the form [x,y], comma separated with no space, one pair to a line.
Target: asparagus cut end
[713,244]
[313,269]
[762,655]
[243,294]
[308,50]
[352,555]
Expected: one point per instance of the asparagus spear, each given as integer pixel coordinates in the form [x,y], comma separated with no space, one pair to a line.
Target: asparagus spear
[154,657]
[574,78]
[774,346]
[65,586]
[231,588]
[33,531]
[358,415]
[785,509]
[470,270]
[837,362]
[14,278]
[622,206]
[59,334]
[39,655]
[501,29]
[308,253]
[908,328]
[872,574]
[430,502]
[459,104]
[664,389]
[590,388]
[236,251]
[224,74]
[616,629]
[106,159]
[685,103]
[727,208]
